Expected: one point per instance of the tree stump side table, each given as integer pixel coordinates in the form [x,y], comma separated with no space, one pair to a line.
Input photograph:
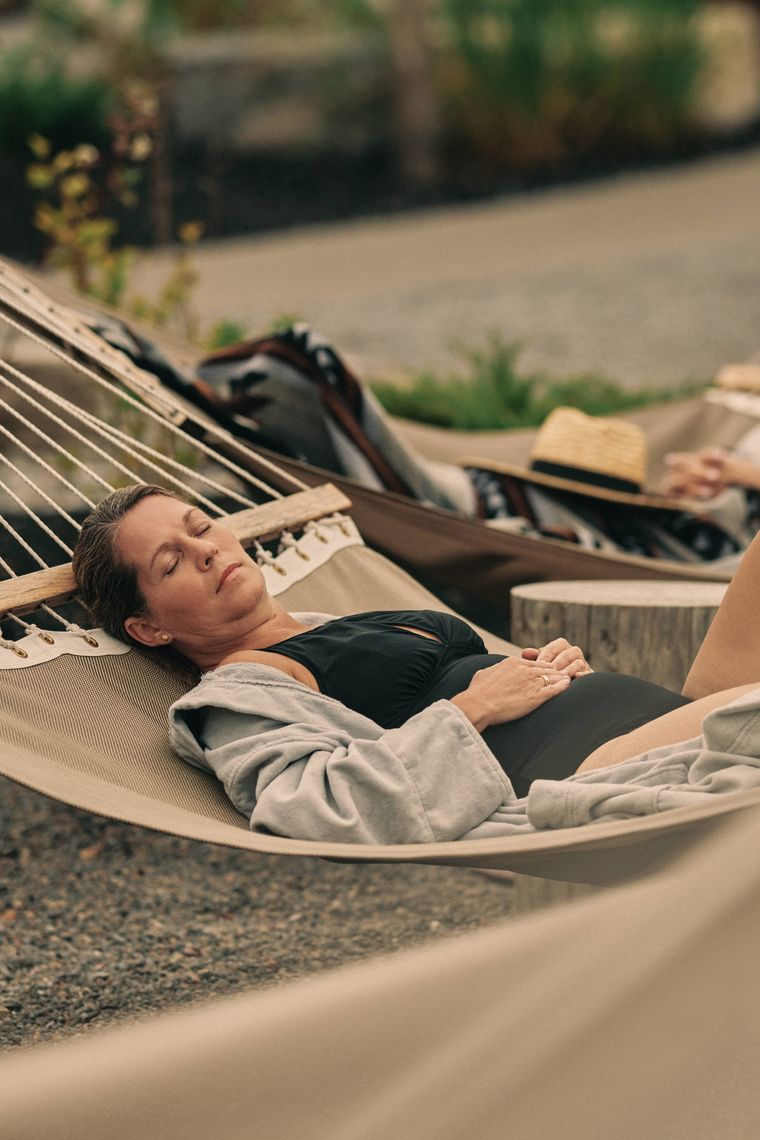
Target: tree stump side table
[650,629]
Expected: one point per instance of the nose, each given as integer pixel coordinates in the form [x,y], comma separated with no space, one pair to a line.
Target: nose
[207,552]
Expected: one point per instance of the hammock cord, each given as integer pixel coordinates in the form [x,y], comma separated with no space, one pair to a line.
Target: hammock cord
[137,448]
[30,482]
[35,518]
[104,432]
[53,444]
[126,368]
[111,435]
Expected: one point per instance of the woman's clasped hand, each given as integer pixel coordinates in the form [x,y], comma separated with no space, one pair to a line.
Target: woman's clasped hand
[512,688]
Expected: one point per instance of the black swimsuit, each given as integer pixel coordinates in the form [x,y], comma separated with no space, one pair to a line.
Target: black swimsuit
[387,673]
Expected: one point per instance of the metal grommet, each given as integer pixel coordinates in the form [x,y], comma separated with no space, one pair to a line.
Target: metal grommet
[91,641]
[301,554]
[279,569]
[19,652]
[46,637]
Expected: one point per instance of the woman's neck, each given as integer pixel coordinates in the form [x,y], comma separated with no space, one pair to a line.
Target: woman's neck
[279,626]
[259,632]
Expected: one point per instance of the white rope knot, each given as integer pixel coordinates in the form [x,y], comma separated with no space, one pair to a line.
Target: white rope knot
[289,542]
[88,639]
[340,521]
[43,634]
[265,558]
[315,529]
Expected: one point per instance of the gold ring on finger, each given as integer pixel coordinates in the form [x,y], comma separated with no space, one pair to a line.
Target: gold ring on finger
[546,680]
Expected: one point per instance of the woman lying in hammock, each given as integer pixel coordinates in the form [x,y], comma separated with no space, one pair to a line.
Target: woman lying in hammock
[377,727]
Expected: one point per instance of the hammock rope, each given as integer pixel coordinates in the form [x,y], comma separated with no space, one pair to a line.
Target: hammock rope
[17,471]
[35,518]
[123,368]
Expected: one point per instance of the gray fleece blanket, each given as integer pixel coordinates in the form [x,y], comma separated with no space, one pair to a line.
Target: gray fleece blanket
[300,764]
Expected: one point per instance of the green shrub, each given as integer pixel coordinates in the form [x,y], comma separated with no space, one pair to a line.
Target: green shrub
[493,395]
[37,100]
[532,82]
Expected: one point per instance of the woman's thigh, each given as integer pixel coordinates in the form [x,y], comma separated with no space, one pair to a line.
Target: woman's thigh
[680,724]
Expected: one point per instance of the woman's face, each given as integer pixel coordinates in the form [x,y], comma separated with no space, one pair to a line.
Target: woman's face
[201,588]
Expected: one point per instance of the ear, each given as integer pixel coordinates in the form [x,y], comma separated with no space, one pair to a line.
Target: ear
[142,629]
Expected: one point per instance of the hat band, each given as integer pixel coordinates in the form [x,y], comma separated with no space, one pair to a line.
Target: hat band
[583,475]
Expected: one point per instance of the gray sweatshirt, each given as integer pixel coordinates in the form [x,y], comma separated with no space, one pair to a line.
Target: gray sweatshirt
[300,764]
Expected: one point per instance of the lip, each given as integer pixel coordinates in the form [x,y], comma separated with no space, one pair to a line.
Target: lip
[226,573]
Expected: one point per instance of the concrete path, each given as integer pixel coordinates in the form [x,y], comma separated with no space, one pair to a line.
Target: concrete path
[647,277]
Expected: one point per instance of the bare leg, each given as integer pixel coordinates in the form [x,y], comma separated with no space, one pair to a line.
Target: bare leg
[727,665]
[680,724]
[730,652]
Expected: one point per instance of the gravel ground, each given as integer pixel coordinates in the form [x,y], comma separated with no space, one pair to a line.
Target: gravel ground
[101,921]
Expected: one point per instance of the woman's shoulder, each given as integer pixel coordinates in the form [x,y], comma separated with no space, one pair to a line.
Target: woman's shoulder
[274,660]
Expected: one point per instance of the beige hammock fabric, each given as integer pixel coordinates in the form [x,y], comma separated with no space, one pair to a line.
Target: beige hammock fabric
[55,740]
[634,1014]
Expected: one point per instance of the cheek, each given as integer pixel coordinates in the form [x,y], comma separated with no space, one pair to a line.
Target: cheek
[171,599]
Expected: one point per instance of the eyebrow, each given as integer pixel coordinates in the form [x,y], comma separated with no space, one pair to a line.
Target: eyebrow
[168,545]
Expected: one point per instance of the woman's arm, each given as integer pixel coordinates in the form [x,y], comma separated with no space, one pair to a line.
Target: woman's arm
[705,473]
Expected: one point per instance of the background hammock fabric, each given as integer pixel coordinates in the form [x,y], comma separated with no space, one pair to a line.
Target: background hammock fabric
[634,1013]
[292,392]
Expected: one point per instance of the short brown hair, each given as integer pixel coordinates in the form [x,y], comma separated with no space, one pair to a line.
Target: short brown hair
[108,585]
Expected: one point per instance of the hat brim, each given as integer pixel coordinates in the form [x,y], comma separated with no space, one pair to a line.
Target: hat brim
[588,490]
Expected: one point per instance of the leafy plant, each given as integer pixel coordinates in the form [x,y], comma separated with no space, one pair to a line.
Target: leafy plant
[494,395]
[76,188]
[224,333]
[531,82]
[40,98]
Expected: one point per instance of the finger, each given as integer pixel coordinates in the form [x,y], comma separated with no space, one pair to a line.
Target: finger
[552,648]
[546,678]
[552,689]
[530,654]
[540,667]
[568,656]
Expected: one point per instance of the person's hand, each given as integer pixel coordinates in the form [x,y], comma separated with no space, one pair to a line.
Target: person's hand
[561,655]
[508,690]
[697,474]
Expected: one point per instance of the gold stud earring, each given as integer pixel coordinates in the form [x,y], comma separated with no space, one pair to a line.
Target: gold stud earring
[164,636]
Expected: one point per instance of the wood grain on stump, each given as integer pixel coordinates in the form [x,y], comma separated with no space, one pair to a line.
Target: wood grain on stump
[650,629]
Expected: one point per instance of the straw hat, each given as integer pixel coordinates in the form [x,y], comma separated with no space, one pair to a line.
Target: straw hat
[592,456]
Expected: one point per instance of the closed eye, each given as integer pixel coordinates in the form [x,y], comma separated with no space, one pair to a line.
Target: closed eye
[171,568]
